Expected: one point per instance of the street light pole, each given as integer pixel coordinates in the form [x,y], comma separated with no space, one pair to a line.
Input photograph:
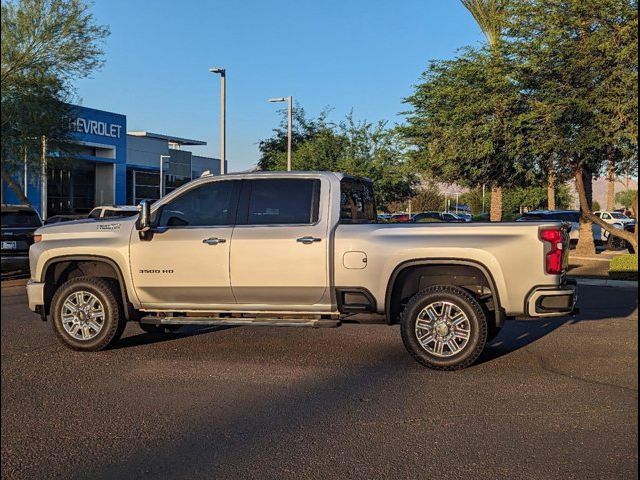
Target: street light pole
[43,179]
[223,117]
[289,101]
[162,157]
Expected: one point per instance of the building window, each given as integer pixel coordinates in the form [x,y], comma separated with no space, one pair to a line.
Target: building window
[146,186]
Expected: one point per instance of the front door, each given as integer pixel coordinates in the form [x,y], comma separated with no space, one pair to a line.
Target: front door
[279,247]
[186,263]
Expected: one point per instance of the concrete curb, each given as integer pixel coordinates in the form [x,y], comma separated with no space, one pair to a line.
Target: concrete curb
[603,282]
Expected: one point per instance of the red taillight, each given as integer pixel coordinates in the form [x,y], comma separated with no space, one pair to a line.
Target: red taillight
[554,260]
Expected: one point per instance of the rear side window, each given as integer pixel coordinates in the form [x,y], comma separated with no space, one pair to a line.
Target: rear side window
[357,202]
[21,218]
[282,201]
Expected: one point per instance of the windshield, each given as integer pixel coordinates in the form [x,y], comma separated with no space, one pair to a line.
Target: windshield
[619,216]
[20,218]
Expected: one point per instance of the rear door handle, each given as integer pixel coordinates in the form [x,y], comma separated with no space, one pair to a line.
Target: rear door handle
[308,240]
[213,241]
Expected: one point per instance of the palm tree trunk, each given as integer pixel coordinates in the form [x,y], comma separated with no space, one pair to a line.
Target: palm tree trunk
[586,245]
[611,186]
[551,189]
[496,204]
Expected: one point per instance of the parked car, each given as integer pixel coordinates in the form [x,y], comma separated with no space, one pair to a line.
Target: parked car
[113,211]
[426,217]
[295,249]
[467,217]
[400,218]
[63,218]
[18,224]
[615,218]
[571,217]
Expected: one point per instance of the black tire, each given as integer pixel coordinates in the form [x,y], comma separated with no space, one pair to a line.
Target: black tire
[114,322]
[151,328]
[465,302]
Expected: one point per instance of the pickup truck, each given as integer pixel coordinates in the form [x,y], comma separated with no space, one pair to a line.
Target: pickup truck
[295,249]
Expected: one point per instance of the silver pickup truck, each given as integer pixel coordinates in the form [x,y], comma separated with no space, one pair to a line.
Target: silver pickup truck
[295,249]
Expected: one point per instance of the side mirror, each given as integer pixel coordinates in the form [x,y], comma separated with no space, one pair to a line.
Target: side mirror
[143,225]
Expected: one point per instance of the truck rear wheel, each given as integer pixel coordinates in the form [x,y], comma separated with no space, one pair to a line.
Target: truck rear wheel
[444,327]
[86,314]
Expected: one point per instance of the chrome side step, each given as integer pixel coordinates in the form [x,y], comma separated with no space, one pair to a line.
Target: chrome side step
[238,321]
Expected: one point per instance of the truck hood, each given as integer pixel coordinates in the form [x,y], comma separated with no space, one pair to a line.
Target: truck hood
[86,226]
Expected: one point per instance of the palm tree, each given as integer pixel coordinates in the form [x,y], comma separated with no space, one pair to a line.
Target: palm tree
[491,16]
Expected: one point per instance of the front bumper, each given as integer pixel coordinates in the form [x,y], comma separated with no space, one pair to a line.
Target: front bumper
[35,295]
[553,301]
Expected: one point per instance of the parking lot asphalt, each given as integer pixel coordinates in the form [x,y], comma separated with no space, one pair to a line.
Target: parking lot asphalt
[548,399]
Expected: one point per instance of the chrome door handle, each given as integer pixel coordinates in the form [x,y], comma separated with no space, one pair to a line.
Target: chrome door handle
[308,240]
[213,241]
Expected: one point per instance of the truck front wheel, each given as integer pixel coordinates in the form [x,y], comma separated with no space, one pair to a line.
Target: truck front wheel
[86,314]
[444,327]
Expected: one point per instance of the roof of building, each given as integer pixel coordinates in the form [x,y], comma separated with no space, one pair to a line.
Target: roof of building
[168,138]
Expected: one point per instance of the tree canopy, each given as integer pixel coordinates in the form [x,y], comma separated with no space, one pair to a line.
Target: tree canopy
[356,147]
[46,45]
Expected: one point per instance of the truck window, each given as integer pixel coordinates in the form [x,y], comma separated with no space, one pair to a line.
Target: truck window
[95,213]
[208,205]
[282,201]
[21,218]
[357,202]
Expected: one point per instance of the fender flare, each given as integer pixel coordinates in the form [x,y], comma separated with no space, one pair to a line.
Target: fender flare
[500,315]
[99,259]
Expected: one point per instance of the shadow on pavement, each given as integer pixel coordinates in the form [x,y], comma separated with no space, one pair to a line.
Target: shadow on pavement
[145,338]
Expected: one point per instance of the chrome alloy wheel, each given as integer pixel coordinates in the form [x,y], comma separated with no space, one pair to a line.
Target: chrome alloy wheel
[83,315]
[443,329]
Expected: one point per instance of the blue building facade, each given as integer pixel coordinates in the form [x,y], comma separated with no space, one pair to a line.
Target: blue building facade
[97,174]
[110,166]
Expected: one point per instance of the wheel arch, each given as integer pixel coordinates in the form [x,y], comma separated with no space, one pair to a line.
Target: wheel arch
[407,279]
[58,270]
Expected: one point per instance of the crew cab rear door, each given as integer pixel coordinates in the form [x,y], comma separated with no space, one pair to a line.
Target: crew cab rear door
[186,262]
[279,248]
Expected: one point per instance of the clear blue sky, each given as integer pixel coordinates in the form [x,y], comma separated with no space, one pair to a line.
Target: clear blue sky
[363,55]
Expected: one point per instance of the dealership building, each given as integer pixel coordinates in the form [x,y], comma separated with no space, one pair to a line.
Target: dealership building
[111,167]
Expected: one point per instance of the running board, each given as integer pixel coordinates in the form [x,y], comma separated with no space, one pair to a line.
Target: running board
[238,321]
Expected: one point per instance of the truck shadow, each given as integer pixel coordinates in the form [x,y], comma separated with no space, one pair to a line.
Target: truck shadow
[595,303]
[145,338]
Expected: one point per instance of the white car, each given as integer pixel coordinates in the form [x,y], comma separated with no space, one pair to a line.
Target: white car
[114,211]
[615,218]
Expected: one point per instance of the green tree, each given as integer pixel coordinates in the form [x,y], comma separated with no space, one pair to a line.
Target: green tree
[626,198]
[427,198]
[491,16]
[46,45]
[517,200]
[359,148]
[464,124]
[578,66]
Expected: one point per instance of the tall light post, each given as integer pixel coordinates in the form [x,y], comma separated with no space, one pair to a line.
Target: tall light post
[289,101]
[223,116]
[162,157]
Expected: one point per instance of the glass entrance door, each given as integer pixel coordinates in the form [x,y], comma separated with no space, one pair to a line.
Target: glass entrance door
[71,187]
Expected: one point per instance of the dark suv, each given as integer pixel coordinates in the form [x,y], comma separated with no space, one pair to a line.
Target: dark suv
[18,224]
